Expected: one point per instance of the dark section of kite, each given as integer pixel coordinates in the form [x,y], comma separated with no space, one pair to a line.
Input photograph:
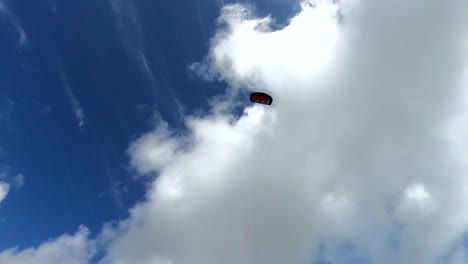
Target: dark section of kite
[261,98]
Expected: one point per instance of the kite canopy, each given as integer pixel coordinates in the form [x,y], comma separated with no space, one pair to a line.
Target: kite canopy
[261,98]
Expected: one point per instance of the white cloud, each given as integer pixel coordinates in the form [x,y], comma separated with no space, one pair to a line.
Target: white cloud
[153,151]
[4,190]
[363,150]
[70,249]
[358,146]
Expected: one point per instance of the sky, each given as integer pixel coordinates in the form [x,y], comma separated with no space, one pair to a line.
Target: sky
[126,134]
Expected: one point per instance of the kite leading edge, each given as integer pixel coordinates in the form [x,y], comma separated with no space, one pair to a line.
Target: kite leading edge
[261,98]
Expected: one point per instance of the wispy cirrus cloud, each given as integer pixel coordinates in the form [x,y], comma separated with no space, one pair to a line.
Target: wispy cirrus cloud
[15,22]
[131,32]
[129,26]
[76,107]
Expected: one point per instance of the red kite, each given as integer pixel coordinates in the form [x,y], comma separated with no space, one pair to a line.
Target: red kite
[261,98]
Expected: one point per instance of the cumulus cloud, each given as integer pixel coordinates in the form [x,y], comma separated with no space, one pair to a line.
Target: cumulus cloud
[72,249]
[4,190]
[360,157]
[151,152]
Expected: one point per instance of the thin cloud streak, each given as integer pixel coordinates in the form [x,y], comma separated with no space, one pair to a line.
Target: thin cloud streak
[131,33]
[22,37]
[148,71]
[76,107]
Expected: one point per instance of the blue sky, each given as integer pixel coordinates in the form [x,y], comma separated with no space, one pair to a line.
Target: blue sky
[81,176]
[99,97]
